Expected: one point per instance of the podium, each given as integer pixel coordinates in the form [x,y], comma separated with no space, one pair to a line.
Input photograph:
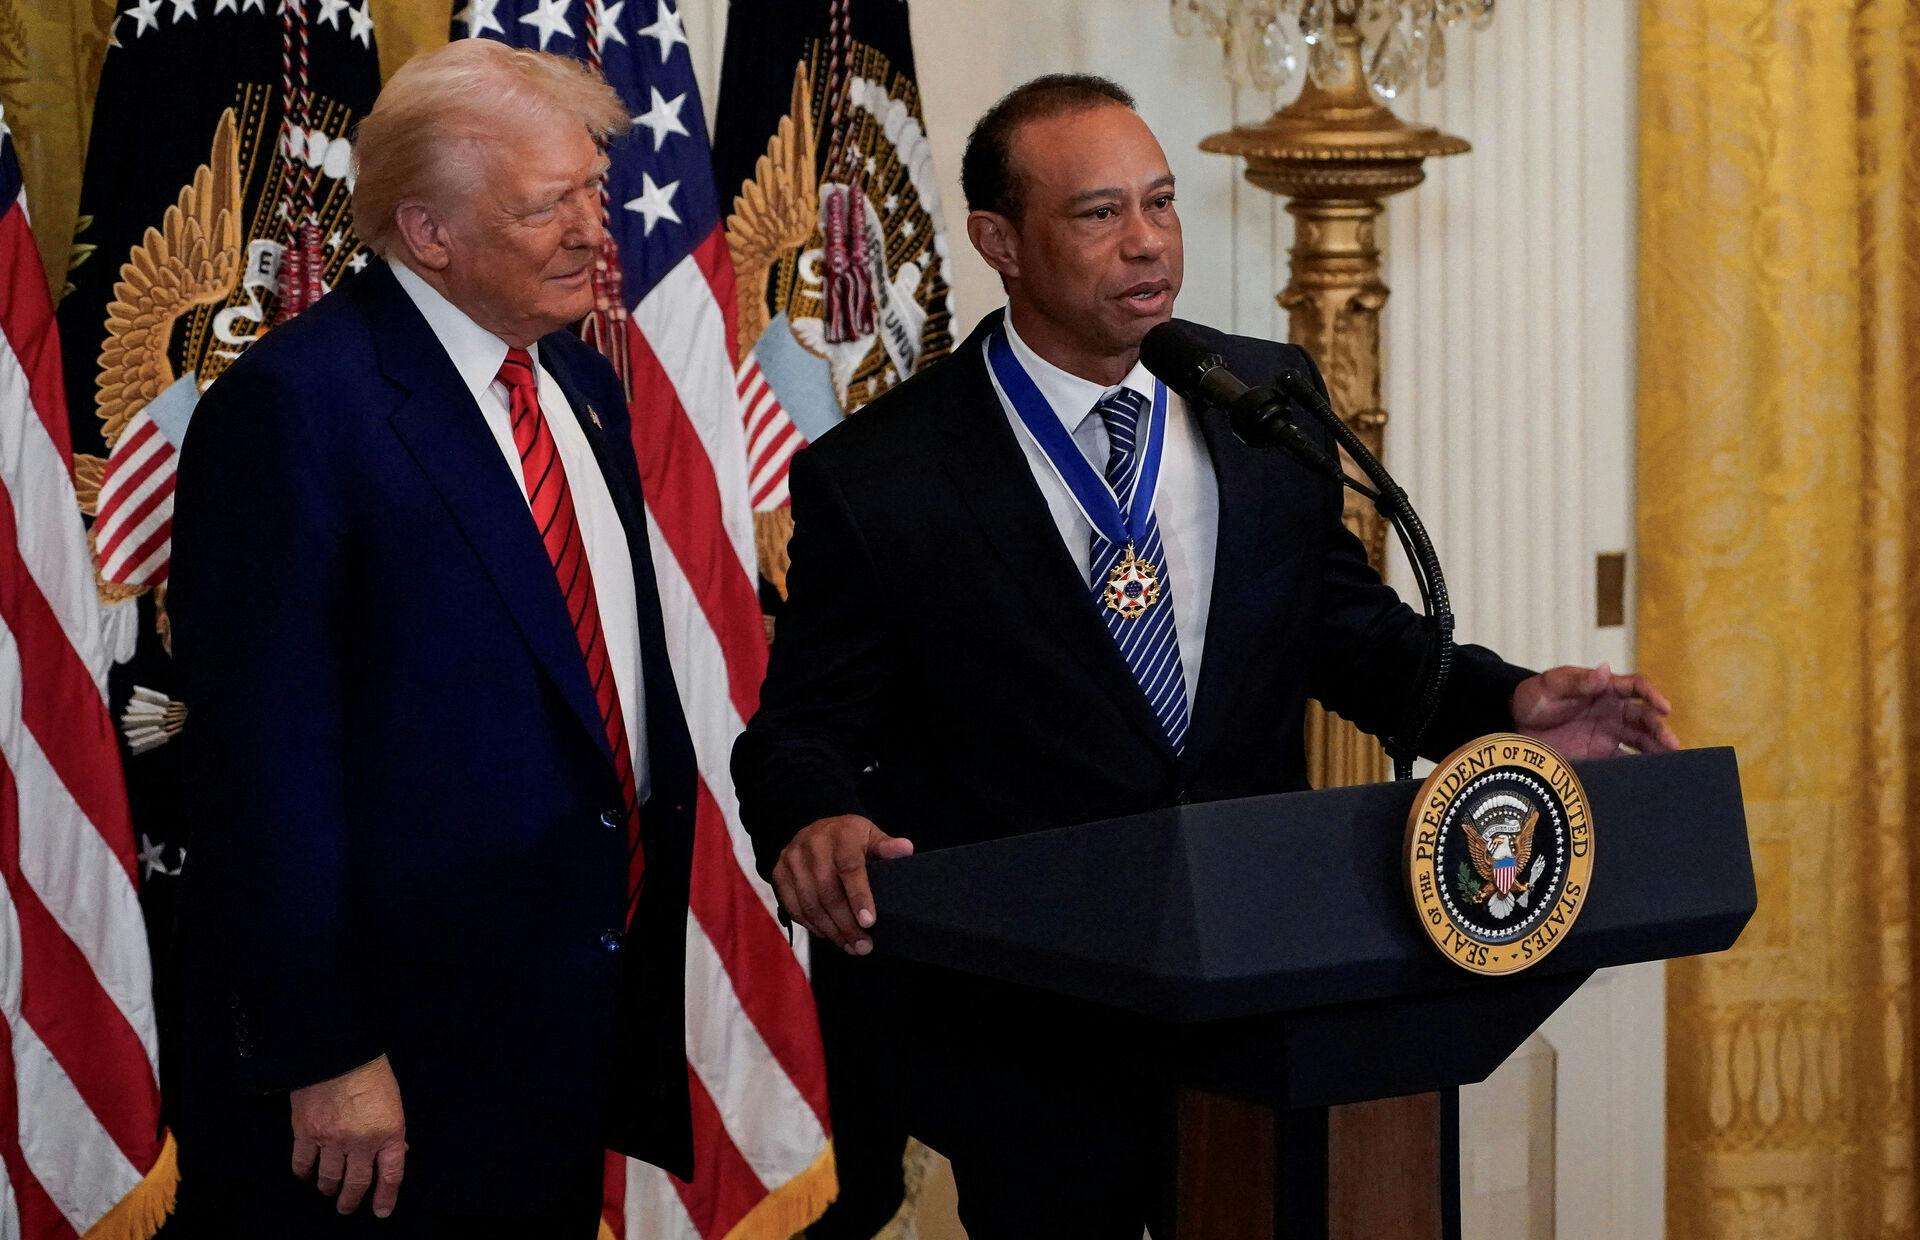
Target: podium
[1267,950]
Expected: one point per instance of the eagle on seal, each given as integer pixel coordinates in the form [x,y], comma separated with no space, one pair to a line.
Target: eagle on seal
[1500,856]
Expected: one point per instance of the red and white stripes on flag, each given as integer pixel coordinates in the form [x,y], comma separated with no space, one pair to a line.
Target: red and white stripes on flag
[763,1167]
[81,1152]
[133,525]
[772,438]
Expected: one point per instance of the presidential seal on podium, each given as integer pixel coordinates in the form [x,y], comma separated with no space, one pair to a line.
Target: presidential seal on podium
[1499,853]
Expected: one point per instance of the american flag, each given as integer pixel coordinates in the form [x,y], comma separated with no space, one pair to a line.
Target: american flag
[81,1151]
[763,1164]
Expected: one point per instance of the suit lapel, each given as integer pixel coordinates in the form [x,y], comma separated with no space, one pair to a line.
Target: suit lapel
[991,473]
[448,438]
[1236,560]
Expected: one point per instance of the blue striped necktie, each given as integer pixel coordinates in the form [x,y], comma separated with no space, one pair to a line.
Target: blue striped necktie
[1150,643]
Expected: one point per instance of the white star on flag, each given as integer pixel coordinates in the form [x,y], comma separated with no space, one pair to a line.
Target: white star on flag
[147,16]
[667,29]
[358,262]
[607,17]
[549,19]
[480,18]
[183,10]
[663,117]
[362,24]
[254,6]
[225,6]
[330,11]
[655,202]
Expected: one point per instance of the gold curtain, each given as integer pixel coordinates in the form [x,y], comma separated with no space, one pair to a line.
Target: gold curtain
[50,57]
[1779,532]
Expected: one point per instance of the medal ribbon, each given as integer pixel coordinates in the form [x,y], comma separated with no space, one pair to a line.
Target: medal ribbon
[1122,526]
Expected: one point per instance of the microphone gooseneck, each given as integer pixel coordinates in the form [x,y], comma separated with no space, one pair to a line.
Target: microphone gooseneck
[1393,504]
[1263,417]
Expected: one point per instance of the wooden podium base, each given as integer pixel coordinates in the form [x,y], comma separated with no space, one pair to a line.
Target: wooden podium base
[1386,1170]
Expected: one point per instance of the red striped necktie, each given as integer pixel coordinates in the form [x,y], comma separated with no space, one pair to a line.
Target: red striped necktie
[552,503]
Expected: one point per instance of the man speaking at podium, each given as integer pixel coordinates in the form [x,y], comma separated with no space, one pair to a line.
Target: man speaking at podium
[961,657]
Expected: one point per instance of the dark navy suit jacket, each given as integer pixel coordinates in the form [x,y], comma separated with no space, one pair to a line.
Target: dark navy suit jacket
[941,666]
[407,829]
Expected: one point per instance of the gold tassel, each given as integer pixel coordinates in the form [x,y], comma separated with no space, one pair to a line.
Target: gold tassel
[141,1211]
[795,1205]
[606,1230]
[771,531]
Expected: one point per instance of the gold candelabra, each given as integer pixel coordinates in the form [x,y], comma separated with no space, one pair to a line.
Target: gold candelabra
[1335,153]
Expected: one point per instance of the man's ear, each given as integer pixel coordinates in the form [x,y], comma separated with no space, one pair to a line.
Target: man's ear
[424,234]
[997,240]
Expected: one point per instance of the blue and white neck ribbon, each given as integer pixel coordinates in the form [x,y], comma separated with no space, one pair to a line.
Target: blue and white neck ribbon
[1122,523]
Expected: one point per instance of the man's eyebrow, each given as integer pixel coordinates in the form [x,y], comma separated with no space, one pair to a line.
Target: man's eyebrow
[553,191]
[1164,181]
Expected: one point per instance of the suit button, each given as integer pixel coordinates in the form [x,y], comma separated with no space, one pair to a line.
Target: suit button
[612,819]
[612,941]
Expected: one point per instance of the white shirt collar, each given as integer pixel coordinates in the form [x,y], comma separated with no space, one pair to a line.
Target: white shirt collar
[1071,397]
[476,352]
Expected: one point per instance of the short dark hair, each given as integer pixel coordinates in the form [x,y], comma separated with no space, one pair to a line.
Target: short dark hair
[987,175]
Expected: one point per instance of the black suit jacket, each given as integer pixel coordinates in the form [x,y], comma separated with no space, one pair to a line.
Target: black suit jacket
[941,666]
[398,775]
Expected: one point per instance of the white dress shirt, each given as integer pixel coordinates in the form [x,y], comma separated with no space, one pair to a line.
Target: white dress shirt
[1187,504]
[477,354]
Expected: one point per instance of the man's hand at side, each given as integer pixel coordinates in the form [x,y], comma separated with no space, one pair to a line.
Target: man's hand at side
[353,1129]
[821,877]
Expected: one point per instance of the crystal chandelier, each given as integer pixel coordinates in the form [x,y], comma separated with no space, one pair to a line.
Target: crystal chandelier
[1267,42]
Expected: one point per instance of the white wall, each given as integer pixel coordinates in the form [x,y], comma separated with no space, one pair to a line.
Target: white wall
[1509,363]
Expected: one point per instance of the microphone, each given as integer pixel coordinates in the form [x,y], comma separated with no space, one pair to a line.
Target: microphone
[1259,416]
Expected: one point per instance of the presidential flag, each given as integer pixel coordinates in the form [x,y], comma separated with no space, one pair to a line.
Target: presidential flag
[833,222]
[763,1167]
[214,205]
[81,1148]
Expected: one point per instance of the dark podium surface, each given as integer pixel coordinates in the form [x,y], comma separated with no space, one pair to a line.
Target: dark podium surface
[1268,949]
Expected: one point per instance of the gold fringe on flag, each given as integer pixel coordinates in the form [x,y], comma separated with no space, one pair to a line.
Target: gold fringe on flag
[791,1208]
[142,1211]
[787,1210]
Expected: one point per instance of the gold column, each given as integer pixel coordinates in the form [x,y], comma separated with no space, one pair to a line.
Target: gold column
[1335,153]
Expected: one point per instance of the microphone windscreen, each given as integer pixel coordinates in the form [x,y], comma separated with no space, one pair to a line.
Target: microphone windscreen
[1177,357]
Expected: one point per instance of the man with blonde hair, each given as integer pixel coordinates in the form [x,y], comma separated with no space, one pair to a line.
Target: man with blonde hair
[435,910]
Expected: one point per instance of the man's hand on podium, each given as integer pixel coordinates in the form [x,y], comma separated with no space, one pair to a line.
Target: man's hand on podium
[1591,712]
[821,877]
